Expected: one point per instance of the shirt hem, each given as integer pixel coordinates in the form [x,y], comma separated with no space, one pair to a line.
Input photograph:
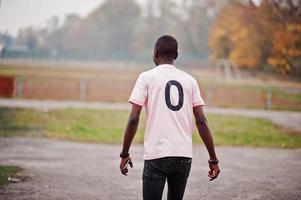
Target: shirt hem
[166,155]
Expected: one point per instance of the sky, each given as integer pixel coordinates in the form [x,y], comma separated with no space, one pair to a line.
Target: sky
[15,14]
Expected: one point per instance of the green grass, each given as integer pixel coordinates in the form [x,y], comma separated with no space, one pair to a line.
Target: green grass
[78,125]
[108,126]
[243,131]
[87,125]
[7,171]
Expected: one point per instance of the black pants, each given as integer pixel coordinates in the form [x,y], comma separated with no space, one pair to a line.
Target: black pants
[155,173]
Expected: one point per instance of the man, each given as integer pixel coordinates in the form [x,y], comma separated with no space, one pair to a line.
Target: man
[171,97]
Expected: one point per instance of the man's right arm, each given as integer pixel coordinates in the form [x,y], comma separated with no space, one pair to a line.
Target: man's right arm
[204,131]
[129,134]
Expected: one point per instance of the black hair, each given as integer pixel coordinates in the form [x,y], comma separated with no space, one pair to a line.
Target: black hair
[167,47]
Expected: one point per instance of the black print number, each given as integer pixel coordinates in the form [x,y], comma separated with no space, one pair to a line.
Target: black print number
[167,95]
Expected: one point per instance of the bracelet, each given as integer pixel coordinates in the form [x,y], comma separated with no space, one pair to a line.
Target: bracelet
[213,162]
[124,154]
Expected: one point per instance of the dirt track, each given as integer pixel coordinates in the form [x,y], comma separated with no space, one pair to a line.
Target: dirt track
[65,170]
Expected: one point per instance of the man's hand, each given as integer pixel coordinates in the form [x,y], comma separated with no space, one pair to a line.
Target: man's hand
[124,163]
[214,171]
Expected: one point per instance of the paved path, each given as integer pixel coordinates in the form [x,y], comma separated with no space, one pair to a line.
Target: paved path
[286,119]
[61,170]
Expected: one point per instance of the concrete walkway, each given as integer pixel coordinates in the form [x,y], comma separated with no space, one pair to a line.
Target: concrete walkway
[62,170]
[286,119]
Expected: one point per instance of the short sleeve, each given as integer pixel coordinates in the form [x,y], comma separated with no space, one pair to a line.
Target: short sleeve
[139,92]
[197,100]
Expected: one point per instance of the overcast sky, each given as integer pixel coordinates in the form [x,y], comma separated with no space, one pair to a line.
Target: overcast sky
[15,14]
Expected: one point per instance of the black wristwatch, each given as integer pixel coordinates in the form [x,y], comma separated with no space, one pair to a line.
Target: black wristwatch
[213,162]
[124,155]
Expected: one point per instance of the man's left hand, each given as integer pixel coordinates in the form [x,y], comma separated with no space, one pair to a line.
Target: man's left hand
[124,163]
[214,171]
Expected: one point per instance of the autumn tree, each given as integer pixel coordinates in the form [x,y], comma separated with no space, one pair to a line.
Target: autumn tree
[286,47]
[253,36]
[235,35]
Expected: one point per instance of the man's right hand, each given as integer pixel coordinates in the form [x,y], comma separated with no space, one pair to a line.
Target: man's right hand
[124,162]
[214,171]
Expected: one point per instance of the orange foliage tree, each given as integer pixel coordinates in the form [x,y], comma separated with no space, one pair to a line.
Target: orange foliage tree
[286,47]
[235,37]
[252,36]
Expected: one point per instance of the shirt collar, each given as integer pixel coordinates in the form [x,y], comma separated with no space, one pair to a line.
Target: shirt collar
[166,65]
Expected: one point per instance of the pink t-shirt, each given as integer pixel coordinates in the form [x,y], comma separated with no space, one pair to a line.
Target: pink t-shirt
[169,96]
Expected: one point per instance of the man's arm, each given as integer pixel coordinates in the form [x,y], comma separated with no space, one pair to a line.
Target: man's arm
[129,134]
[204,131]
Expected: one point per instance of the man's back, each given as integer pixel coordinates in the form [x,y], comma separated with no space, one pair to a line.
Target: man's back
[171,98]
[169,95]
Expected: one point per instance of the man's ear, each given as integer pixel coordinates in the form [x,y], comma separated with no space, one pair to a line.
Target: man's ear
[176,56]
[155,53]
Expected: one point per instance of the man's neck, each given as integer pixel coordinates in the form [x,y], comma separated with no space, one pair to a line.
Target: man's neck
[162,62]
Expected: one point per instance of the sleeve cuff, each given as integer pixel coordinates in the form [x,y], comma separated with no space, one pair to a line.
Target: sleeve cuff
[198,104]
[135,101]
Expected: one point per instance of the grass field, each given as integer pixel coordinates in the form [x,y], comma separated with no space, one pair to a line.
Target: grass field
[107,126]
[7,171]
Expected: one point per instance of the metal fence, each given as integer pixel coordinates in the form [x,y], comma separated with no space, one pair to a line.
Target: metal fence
[71,80]
[115,90]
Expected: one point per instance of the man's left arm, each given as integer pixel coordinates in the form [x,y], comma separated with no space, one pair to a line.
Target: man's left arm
[205,133]
[129,134]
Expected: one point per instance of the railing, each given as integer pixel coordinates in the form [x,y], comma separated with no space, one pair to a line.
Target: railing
[116,90]
[46,79]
